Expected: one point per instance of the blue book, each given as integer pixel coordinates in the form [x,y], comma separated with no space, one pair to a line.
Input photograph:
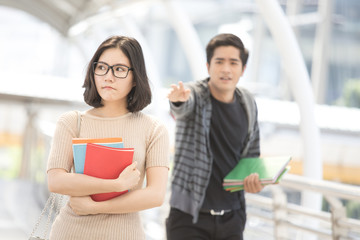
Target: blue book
[79,149]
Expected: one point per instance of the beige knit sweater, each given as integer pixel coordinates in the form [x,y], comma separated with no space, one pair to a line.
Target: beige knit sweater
[144,133]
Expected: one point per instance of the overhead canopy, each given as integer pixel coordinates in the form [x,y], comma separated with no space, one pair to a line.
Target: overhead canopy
[61,14]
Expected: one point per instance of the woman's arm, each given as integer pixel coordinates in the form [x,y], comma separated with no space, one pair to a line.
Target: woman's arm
[74,184]
[151,196]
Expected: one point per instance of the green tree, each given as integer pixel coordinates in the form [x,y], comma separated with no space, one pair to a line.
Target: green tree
[351,94]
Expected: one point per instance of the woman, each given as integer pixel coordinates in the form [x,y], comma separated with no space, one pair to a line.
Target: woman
[117,87]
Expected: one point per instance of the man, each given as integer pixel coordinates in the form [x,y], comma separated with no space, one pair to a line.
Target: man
[216,126]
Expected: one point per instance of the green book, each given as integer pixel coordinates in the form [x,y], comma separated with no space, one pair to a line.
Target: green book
[237,187]
[270,170]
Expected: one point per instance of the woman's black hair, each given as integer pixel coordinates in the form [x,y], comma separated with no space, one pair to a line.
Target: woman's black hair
[140,95]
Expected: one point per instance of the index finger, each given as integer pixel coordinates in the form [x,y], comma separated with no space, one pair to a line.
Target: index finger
[181,86]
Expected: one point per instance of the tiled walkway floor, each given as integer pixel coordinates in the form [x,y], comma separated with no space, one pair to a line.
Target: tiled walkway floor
[20,207]
[21,203]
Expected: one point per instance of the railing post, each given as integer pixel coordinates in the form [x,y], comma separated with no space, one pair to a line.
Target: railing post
[29,138]
[280,213]
[338,212]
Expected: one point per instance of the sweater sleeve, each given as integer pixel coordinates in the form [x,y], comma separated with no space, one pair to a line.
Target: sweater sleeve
[157,151]
[61,154]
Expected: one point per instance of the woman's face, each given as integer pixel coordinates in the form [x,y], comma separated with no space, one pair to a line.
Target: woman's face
[109,87]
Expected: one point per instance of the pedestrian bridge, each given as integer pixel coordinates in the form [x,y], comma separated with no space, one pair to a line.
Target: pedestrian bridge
[276,213]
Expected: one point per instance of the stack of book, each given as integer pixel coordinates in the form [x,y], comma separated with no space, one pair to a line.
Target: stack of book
[80,146]
[103,158]
[270,170]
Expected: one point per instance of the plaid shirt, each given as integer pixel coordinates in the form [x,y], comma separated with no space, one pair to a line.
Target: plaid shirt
[193,156]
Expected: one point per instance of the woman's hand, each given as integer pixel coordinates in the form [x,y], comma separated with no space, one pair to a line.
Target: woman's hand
[128,178]
[252,183]
[82,205]
[178,93]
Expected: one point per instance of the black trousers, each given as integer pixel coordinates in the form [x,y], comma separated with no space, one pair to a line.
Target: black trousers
[230,226]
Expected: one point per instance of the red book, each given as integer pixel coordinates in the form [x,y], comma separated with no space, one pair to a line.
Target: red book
[107,163]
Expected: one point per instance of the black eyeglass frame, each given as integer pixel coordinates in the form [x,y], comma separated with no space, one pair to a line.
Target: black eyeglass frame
[112,69]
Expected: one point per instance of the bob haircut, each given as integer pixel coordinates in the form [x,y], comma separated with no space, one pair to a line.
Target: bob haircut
[140,95]
[226,39]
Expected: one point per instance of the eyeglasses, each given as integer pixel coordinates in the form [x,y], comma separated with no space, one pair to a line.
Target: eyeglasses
[118,70]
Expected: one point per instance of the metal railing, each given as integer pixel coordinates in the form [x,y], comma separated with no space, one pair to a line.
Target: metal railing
[291,221]
[286,220]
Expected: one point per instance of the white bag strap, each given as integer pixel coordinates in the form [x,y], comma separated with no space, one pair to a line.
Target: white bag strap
[49,207]
[78,123]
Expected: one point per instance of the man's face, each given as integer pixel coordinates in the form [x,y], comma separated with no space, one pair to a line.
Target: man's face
[225,69]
